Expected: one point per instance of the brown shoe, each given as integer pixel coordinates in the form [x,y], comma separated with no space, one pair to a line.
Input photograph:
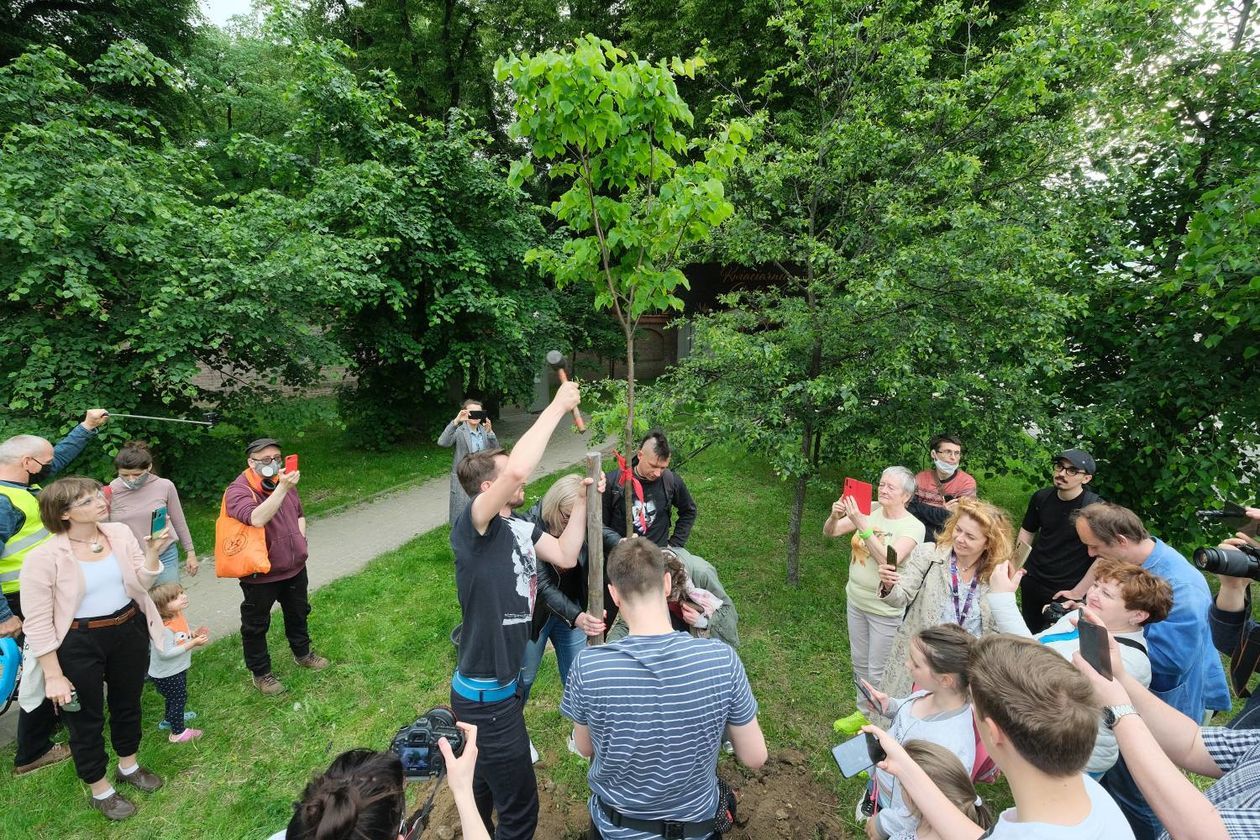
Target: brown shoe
[145,780]
[268,684]
[312,660]
[58,752]
[115,807]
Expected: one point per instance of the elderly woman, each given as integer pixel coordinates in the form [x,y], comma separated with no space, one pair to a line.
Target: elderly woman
[89,621]
[872,621]
[469,432]
[946,582]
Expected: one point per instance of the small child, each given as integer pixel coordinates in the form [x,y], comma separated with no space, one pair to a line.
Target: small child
[953,779]
[938,712]
[168,665]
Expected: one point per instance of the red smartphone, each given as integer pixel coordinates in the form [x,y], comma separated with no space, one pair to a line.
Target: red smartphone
[290,463]
[861,492]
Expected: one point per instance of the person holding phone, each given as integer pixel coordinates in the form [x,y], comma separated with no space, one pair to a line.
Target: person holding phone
[265,495]
[89,623]
[872,623]
[470,431]
[946,582]
[144,501]
[1125,598]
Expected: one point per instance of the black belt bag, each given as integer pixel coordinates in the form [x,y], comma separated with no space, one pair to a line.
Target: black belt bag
[723,822]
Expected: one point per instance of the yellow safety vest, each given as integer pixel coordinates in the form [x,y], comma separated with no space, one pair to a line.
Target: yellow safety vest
[31,534]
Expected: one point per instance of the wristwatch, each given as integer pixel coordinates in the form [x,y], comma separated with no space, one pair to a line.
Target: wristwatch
[1112,714]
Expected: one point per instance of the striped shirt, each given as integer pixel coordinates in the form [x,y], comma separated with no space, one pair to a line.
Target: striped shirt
[1236,795]
[657,707]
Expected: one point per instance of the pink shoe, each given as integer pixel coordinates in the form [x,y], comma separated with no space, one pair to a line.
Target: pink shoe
[189,734]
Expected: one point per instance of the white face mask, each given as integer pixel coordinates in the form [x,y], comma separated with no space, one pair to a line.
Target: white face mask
[269,470]
[945,467]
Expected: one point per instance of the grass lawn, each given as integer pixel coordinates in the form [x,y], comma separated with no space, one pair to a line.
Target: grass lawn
[386,629]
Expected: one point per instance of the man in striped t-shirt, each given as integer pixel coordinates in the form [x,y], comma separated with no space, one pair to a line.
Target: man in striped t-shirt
[653,708]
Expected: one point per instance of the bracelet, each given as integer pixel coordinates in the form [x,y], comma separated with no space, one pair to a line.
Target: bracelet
[866,535]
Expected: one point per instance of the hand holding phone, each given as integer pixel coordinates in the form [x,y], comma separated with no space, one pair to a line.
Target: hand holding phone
[1095,645]
[861,492]
[157,522]
[877,699]
[861,752]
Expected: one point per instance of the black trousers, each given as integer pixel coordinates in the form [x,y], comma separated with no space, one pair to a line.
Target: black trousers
[256,619]
[1033,596]
[91,659]
[503,780]
[34,729]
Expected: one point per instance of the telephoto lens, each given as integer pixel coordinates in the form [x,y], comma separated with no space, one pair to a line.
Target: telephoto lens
[1232,562]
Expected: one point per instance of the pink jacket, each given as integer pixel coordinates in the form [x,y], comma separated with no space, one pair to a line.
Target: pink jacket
[52,587]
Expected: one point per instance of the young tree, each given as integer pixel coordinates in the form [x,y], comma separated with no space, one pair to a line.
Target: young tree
[637,190]
[901,192]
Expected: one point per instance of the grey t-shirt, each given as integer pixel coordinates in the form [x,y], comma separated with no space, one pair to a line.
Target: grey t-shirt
[1105,822]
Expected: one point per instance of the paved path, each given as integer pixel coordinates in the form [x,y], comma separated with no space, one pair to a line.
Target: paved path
[344,541]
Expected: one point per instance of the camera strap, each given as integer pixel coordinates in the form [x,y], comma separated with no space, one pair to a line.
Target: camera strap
[415,825]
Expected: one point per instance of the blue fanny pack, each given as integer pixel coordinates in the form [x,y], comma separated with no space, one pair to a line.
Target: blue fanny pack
[481,691]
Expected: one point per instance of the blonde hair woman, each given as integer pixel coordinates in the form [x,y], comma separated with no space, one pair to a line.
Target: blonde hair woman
[946,582]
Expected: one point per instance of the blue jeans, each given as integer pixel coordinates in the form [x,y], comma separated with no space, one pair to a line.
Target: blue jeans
[567,644]
[170,565]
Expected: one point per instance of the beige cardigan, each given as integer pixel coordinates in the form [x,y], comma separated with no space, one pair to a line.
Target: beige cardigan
[52,587]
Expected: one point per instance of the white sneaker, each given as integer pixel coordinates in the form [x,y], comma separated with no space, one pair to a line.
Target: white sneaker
[573,749]
[728,748]
[533,753]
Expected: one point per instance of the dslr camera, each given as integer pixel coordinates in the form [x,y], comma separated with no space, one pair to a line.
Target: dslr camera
[1241,562]
[416,744]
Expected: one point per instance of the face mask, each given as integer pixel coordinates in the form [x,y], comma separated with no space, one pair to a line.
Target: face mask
[270,470]
[947,469]
[135,483]
[43,475]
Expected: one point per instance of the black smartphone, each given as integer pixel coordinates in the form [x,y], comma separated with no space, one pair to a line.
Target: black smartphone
[1094,645]
[157,522]
[892,556]
[870,698]
[861,752]
[478,415]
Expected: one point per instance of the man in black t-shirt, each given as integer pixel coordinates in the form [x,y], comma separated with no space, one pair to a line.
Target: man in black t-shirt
[1059,561]
[496,561]
[656,491]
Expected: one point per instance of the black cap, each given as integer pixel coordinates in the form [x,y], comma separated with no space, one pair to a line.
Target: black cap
[261,443]
[1080,459]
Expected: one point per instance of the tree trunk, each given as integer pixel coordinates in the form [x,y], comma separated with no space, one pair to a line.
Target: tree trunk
[628,440]
[794,531]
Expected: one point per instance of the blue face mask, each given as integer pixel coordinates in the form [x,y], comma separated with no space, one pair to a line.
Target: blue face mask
[945,467]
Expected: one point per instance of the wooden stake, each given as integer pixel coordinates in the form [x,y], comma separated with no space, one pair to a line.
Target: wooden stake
[594,544]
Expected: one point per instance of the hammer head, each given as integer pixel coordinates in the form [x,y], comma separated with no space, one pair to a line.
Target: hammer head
[555,358]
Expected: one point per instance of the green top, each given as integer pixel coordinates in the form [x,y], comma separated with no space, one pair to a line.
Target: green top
[862,589]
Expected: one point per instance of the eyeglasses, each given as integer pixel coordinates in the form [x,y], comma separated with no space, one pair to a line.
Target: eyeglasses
[955,453]
[1067,469]
[275,459]
[98,496]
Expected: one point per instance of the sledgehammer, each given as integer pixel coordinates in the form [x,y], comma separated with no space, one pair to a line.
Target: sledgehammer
[557,361]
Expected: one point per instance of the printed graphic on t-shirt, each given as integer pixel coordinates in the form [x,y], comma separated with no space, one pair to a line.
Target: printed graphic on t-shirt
[178,624]
[860,553]
[525,564]
[644,511]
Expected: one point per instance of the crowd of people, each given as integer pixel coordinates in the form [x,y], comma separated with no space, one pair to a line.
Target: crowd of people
[964,632]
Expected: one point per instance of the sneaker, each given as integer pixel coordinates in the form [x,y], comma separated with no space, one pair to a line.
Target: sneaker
[312,660]
[58,752]
[165,724]
[114,806]
[533,753]
[850,725]
[189,734]
[728,748]
[268,684]
[142,779]
[573,749]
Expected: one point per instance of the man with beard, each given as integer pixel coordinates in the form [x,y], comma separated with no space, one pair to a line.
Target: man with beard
[1059,560]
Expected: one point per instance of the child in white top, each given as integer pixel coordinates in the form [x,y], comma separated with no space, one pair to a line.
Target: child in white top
[168,665]
[938,712]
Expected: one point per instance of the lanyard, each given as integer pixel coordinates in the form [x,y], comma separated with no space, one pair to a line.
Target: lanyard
[971,592]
